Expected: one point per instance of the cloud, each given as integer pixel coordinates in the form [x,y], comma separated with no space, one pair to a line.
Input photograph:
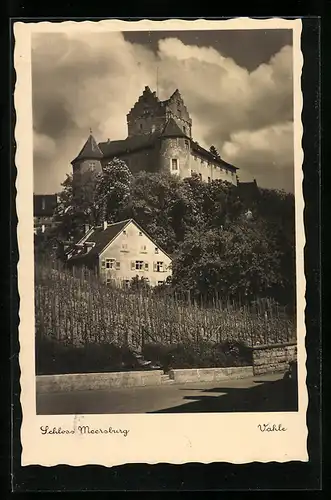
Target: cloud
[83,81]
[264,153]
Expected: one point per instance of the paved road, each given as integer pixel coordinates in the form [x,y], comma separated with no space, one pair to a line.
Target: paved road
[267,393]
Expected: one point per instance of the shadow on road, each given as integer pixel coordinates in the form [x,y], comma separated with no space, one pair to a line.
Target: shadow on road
[269,396]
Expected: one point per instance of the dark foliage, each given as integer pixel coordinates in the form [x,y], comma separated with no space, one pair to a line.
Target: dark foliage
[200,355]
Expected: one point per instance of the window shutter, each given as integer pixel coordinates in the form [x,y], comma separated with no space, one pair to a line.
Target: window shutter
[146,266]
[154,266]
[103,263]
[133,265]
[118,265]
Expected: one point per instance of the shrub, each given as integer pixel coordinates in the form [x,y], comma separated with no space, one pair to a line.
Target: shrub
[54,357]
[200,355]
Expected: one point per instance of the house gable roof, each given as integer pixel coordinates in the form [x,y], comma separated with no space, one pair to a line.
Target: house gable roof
[104,237]
[90,151]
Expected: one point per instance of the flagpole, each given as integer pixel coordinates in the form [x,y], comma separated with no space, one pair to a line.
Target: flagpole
[157,81]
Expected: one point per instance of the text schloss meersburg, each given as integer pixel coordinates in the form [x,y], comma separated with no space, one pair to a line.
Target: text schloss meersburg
[83,430]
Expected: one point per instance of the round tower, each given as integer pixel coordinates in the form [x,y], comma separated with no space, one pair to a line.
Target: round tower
[175,151]
[89,158]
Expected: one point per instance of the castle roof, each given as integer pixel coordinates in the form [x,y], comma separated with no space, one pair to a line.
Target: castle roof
[90,150]
[171,129]
[248,191]
[142,141]
[128,145]
[209,156]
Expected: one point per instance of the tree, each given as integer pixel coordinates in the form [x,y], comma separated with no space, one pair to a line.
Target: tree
[77,204]
[113,190]
[239,262]
[90,198]
[214,152]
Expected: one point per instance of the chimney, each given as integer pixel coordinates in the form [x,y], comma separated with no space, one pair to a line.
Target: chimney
[105,225]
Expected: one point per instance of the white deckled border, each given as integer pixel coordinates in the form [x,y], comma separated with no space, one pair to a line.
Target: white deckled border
[178,438]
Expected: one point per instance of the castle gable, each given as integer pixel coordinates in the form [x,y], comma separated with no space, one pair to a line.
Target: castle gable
[90,151]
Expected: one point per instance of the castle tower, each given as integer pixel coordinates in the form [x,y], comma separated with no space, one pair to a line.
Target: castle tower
[176,109]
[150,115]
[89,158]
[175,150]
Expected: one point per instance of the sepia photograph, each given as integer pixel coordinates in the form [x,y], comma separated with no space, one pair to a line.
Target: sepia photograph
[166,222]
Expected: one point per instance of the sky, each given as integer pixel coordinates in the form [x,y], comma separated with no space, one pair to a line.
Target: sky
[237,86]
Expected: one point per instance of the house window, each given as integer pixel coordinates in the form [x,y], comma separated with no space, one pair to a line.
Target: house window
[140,233]
[124,247]
[143,248]
[110,263]
[156,250]
[124,232]
[208,179]
[174,164]
[92,166]
[200,177]
[186,142]
[139,264]
[118,266]
[159,267]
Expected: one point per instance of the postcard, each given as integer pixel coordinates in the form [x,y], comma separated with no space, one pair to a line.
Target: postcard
[161,241]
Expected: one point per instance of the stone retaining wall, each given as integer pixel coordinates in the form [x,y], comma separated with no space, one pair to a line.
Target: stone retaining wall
[210,374]
[96,381]
[273,358]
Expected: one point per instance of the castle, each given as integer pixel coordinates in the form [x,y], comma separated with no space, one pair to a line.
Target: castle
[159,139]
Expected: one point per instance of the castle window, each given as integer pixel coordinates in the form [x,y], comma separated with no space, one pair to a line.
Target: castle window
[174,164]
